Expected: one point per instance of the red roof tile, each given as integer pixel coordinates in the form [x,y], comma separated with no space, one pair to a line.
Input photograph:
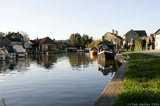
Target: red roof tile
[46,40]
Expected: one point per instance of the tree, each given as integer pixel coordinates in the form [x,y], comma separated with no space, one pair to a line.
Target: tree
[2,34]
[94,43]
[15,35]
[72,40]
[25,35]
[84,40]
[76,40]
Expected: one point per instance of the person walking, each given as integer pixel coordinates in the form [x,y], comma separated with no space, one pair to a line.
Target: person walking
[143,43]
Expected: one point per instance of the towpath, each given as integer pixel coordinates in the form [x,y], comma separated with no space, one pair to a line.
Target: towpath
[152,52]
[110,93]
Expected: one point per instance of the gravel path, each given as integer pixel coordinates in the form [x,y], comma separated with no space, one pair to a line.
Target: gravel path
[152,52]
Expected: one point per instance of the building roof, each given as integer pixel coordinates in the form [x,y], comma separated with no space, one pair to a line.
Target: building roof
[46,40]
[158,31]
[141,32]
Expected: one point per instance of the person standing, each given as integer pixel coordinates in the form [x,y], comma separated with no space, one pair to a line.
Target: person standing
[117,47]
[148,44]
[132,44]
[143,43]
[125,45]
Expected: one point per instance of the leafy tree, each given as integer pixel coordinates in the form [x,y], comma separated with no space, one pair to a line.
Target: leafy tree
[25,36]
[73,39]
[84,40]
[15,35]
[76,40]
[94,43]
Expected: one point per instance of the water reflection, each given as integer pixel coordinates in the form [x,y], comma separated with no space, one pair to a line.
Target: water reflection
[79,59]
[11,65]
[47,61]
[93,57]
[109,66]
[27,89]
[3,102]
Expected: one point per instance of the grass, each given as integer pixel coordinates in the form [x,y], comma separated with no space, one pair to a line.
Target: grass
[141,83]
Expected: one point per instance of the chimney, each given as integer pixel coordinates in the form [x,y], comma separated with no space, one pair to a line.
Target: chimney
[116,32]
[113,31]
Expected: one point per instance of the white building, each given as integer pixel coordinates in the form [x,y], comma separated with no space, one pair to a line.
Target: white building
[157,39]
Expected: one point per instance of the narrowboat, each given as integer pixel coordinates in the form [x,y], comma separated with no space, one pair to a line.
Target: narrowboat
[93,51]
[106,51]
[20,51]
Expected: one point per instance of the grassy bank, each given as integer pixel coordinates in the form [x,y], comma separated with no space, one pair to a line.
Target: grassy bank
[141,84]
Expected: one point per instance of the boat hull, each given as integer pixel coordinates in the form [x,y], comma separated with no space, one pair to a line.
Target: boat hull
[104,55]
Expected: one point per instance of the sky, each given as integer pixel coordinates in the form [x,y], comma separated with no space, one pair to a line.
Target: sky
[58,19]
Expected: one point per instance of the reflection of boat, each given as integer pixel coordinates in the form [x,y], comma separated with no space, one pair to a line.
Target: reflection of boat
[93,57]
[93,51]
[11,65]
[106,51]
[106,66]
[2,55]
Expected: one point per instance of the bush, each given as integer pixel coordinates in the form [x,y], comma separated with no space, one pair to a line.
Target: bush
[138,45]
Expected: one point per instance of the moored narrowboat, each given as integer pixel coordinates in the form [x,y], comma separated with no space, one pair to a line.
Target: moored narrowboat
[93,51]
[106,52]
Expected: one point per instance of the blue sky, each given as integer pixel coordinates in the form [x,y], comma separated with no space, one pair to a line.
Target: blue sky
[60,18]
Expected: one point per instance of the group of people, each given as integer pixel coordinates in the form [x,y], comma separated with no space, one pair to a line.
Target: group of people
[148,43]
[131,45]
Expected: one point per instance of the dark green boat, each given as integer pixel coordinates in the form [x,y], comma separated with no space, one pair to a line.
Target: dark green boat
[106,51]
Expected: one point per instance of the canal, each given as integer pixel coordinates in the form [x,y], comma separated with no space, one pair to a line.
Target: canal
[54,80]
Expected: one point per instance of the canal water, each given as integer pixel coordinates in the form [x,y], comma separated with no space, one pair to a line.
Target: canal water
[54,80]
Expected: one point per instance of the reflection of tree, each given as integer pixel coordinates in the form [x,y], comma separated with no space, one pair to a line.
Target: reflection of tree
[47,60]
[79,59]
[109,66]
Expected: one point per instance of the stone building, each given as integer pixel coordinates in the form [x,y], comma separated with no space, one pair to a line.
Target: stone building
[134,34]
[113,37]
